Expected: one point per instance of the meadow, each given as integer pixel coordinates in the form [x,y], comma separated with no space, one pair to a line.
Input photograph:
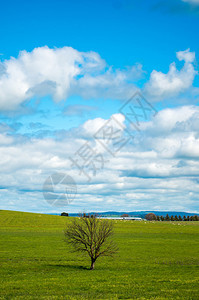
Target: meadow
[156,260]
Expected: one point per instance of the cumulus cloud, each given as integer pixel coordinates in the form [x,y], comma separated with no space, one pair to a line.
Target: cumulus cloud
[176,81]
[60,72]
[173,133]
[116,84]
[63,72]
[158,170]
[92,126]
[159,167]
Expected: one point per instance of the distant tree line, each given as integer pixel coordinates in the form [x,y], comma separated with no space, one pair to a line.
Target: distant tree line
[153,217]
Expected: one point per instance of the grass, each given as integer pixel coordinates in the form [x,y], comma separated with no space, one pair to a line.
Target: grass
[156,260]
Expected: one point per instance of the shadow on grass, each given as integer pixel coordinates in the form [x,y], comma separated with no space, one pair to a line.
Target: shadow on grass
[65,266]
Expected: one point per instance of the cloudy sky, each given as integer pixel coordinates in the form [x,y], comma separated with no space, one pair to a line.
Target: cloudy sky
[99,105]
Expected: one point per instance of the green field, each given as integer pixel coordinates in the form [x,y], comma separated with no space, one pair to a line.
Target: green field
[156,260]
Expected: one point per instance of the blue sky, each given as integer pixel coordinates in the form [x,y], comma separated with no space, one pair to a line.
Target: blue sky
[67,68]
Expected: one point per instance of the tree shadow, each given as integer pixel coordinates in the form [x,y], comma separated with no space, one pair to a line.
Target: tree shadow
[65,266]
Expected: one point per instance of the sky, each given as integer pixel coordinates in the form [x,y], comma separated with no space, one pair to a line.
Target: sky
[99,105]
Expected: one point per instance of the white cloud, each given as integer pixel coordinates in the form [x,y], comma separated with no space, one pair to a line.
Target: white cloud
[173,133]
[158,169]
[41,71]
[176,81]
[92,126]
[186,55]
[169,120]
[60,72]
[116,84]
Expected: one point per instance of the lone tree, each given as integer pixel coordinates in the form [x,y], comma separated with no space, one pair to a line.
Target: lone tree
[91,235]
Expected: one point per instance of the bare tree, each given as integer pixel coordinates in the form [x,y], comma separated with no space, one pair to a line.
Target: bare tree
[91,235]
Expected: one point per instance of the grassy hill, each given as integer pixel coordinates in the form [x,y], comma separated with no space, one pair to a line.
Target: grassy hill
[156,260]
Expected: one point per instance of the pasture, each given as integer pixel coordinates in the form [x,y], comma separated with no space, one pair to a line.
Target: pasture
[156,260]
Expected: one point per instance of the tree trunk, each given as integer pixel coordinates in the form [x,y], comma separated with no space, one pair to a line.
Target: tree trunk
[92,265]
